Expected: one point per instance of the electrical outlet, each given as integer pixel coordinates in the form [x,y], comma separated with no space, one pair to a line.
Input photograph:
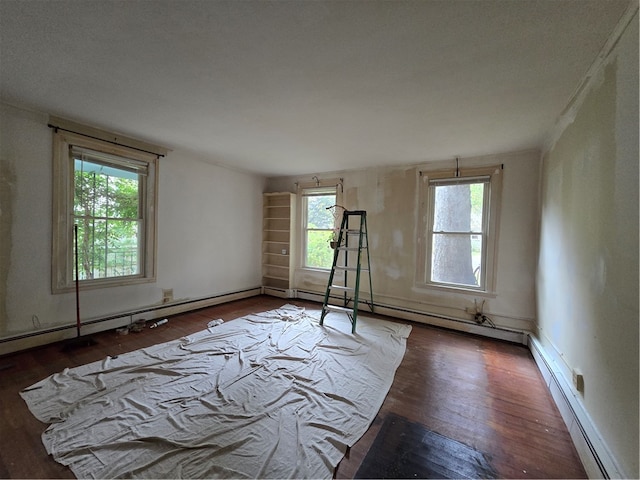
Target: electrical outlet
[167,295]
[578,380]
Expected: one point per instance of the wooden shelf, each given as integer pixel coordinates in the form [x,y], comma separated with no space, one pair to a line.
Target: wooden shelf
[278,247]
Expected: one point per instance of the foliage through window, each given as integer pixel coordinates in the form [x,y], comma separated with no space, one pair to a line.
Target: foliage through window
[108,193]
[319,225]
[107,199]
[457,233]
[460,229]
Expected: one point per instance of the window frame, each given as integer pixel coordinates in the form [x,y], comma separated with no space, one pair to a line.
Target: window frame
[427,179]
[63,262]
[305,193]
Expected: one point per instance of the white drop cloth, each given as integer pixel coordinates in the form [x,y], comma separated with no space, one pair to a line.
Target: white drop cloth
[271,395]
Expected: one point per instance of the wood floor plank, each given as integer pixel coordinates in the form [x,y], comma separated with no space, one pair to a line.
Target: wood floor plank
[486,394]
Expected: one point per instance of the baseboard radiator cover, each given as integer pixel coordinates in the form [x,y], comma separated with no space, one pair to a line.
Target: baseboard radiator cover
[279,292]
[596,457]
[413,315]
[38,338]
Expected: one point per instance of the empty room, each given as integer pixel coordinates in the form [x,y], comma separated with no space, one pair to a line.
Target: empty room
[319,239]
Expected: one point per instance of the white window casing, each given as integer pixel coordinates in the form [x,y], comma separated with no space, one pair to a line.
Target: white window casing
[332,186]
[66,147]
[428,182]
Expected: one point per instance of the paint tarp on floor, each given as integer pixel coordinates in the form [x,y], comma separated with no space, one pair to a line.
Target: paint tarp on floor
[270,395]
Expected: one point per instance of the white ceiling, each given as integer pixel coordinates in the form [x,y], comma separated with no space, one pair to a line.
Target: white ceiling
[292,87]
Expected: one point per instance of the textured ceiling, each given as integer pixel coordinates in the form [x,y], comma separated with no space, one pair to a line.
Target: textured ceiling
[306,86]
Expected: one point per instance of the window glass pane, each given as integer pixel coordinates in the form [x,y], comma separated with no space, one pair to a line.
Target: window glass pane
[107,248]
[456,259]
[458,208]
[319,253]
[123,197]
[319,224]
[102,191]
[477,202]
[107,212]
[90,193]
[317,214]
[456,255]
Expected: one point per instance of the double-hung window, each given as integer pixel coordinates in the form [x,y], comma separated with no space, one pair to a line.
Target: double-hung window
[459,228]
[318,226]
[104,213]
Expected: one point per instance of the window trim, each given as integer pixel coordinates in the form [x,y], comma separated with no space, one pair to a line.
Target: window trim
[491,216]
[301,187]
[304,194]
[62,265]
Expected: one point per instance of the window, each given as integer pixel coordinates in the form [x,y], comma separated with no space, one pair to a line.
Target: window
[458,234]
[106,193]
[318,226]
[106,208]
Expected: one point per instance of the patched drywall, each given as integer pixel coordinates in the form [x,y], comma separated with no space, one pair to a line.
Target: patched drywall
[391,236]
[588,262]
[208,233]
[390,197]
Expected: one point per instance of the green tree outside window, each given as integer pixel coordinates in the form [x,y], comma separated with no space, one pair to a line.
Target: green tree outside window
[319,230]
[107,211]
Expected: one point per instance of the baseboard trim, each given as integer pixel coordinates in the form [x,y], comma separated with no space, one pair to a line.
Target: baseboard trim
[279,292]
[594,454]
[109,322]
[451,323]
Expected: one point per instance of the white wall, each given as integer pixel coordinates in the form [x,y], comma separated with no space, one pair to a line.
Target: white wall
[588,262]
[209,232]
[389,195]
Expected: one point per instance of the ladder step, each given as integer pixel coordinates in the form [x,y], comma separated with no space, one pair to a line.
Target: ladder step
[351,249]
[336,308]
[342,288]
[350,269]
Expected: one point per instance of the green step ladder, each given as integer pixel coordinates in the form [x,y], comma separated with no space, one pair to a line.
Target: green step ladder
[351,242]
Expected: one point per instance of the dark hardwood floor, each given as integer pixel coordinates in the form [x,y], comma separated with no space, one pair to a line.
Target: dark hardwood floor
[484,393]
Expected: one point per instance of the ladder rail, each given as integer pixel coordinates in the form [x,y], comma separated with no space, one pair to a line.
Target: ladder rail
[369,264]
[344,247]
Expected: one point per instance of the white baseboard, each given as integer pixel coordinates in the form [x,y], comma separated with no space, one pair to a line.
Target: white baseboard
[594,454]
[279,292]
[429,319]
[121,319]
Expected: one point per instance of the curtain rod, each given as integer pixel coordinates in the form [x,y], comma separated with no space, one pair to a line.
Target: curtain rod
[56,128]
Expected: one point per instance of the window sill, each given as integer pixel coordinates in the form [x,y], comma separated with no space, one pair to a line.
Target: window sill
[315,269]
[98,284]
[451,289]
